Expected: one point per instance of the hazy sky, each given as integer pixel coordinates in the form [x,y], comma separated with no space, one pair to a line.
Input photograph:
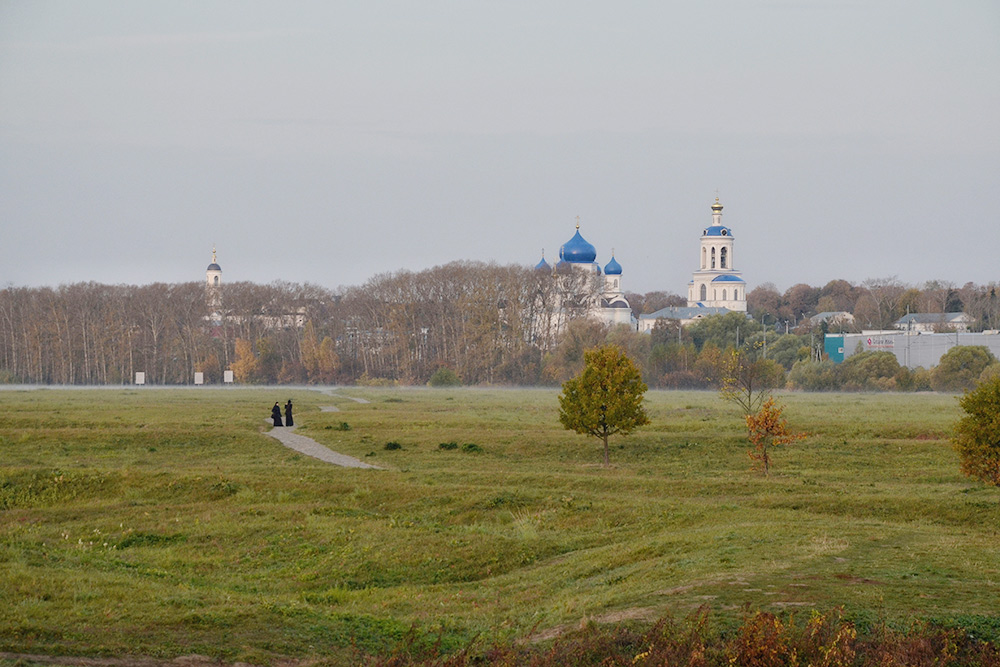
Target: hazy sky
[329,141]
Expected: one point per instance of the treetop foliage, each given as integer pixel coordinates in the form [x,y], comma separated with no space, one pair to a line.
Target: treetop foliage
[977,434]
[606,398]
[960,367]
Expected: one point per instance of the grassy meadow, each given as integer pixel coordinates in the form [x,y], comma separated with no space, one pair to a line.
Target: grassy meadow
[165,522]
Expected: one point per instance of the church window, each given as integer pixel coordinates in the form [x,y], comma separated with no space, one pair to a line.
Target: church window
[616,283]
[704,292]
[703,251]
[713,258]
[722,258]
[723,295]
[215,280]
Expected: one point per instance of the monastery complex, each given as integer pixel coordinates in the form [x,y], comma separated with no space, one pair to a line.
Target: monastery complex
[716,286]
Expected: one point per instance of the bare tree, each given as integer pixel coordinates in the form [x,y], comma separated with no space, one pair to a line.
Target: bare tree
[885,295]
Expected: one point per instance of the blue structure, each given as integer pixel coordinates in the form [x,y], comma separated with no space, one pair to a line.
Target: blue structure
[542,264]
[577,250]
[601,291]
[833,346]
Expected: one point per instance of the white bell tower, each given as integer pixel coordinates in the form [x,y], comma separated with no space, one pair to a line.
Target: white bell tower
[717,284]
[213,283]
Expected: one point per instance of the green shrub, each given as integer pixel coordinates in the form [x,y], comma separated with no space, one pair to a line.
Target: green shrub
[444,377]
[471,448]
[977,434]
[867,371]
[960,367]
[392,445]
[990,372]
[813,376]
[367,381]
[448,445]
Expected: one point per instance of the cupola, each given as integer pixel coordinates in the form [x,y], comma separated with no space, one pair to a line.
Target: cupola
[577,250]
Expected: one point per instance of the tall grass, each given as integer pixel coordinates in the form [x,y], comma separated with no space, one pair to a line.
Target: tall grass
[164,522]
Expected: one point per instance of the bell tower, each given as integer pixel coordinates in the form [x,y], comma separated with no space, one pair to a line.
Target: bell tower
[717,284]
[213,283]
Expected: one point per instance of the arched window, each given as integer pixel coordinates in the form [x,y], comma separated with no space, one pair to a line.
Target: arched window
[723,295]
[215,280]
[722,260]
[704,292]
[616,283]
[713,258]
[703,258]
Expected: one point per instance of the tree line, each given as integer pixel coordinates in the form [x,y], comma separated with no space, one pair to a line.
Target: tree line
[876,303]
[479,323]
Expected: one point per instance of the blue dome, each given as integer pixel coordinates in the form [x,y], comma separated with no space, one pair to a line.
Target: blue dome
[577,250]
[727,279]
[718,230]
[613,268]
[213,267]
[542,266]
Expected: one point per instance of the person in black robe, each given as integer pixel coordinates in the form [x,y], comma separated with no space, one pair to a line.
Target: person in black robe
[288,413]
[276,414]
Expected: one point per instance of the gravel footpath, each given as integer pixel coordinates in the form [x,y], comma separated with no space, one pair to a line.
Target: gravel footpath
[300,443]
[333,392]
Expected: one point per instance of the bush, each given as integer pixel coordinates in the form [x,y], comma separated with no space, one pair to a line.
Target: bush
[990,372]
[960,367]
[867,371]
[762,640]
[445,377]
[367,381]
[471,448]
[448,445]
[917,379]
[977,435]
[814,376]
[392,444]
[921,379]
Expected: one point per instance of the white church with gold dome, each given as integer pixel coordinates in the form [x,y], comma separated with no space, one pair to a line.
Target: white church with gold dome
[717,283]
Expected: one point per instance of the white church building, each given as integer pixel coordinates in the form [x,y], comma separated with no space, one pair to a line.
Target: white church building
[213,284]
[286,317]
[717,283]
[584,284]
[716,287]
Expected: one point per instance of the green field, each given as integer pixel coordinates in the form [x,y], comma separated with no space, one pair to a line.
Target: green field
[164,522]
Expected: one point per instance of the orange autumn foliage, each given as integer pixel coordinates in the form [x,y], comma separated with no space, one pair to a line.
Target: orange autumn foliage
[767,428]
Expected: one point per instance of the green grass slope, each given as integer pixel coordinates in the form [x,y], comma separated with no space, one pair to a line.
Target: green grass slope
[165,522]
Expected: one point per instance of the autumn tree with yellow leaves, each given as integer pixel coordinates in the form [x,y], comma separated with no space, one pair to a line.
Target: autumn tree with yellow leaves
[605,398]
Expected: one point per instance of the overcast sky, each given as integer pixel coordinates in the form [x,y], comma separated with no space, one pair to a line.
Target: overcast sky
[328,141]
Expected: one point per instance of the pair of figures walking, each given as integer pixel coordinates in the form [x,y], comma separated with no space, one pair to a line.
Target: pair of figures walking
[276,414]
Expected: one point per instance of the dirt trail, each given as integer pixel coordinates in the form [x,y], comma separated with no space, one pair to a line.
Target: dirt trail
[289,438]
